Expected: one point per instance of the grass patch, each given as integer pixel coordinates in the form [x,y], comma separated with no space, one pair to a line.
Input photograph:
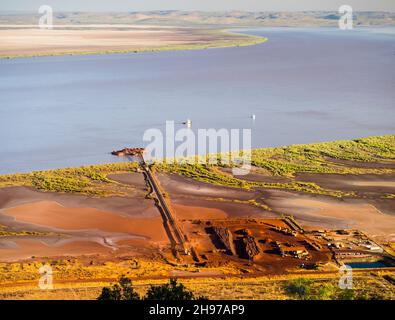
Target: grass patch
[211,174]
[91,180]
[24,233]
[368,284]
[368,289]
[281,161]
[286,161]
[315,158]
[67,269]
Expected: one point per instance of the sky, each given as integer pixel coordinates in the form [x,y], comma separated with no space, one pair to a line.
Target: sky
[205,5]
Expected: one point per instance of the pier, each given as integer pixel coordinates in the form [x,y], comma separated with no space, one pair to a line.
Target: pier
[177,238]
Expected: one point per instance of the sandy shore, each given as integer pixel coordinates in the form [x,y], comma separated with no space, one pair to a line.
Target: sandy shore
[36,42]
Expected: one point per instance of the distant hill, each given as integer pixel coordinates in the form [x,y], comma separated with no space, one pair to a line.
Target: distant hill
[199,18]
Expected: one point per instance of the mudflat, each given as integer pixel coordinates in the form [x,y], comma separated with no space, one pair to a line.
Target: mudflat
[108,38]
[372,215]
[188,197]
[335,213]
[53,215]
[372,184]
[59,224]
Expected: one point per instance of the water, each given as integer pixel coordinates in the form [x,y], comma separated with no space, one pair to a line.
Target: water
[366,265]
[303,86]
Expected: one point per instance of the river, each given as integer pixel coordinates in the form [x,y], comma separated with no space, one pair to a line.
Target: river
[303,86]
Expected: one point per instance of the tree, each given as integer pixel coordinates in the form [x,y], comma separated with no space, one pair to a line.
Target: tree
[346,294]
[299,288]
[120,291]
[123,290]
[326,292]
[170,291]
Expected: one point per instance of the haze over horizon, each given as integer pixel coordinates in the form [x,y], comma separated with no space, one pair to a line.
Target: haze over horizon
[198,5]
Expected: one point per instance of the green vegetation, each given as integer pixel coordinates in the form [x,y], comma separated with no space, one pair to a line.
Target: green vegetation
[203,173]
[124,290]
[4,232]
[90,180]
[72,268]
[321,157]
[299,288]
[251,202]
[120,291]
[211,174]
[341,157]
[171,291]
[19,281]
[304,289]
[24,233]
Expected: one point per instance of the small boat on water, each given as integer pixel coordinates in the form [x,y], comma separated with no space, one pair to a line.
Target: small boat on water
[188,123]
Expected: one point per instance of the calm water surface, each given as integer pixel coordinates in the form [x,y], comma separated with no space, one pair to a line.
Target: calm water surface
[365,265]
[303,86]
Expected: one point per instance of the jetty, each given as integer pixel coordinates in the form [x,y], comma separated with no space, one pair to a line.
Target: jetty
[176,236]
[128,152]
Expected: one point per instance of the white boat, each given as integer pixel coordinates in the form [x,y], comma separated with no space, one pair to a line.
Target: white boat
[188,123]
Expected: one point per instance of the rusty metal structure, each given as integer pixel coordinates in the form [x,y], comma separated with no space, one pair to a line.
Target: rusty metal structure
[128,152]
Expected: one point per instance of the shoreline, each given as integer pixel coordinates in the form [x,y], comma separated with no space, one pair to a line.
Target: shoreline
[244,41]
[384,163]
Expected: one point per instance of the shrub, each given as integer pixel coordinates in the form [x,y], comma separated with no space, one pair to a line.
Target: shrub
[124,290]
[299,288]
[120,291]
[170,291]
